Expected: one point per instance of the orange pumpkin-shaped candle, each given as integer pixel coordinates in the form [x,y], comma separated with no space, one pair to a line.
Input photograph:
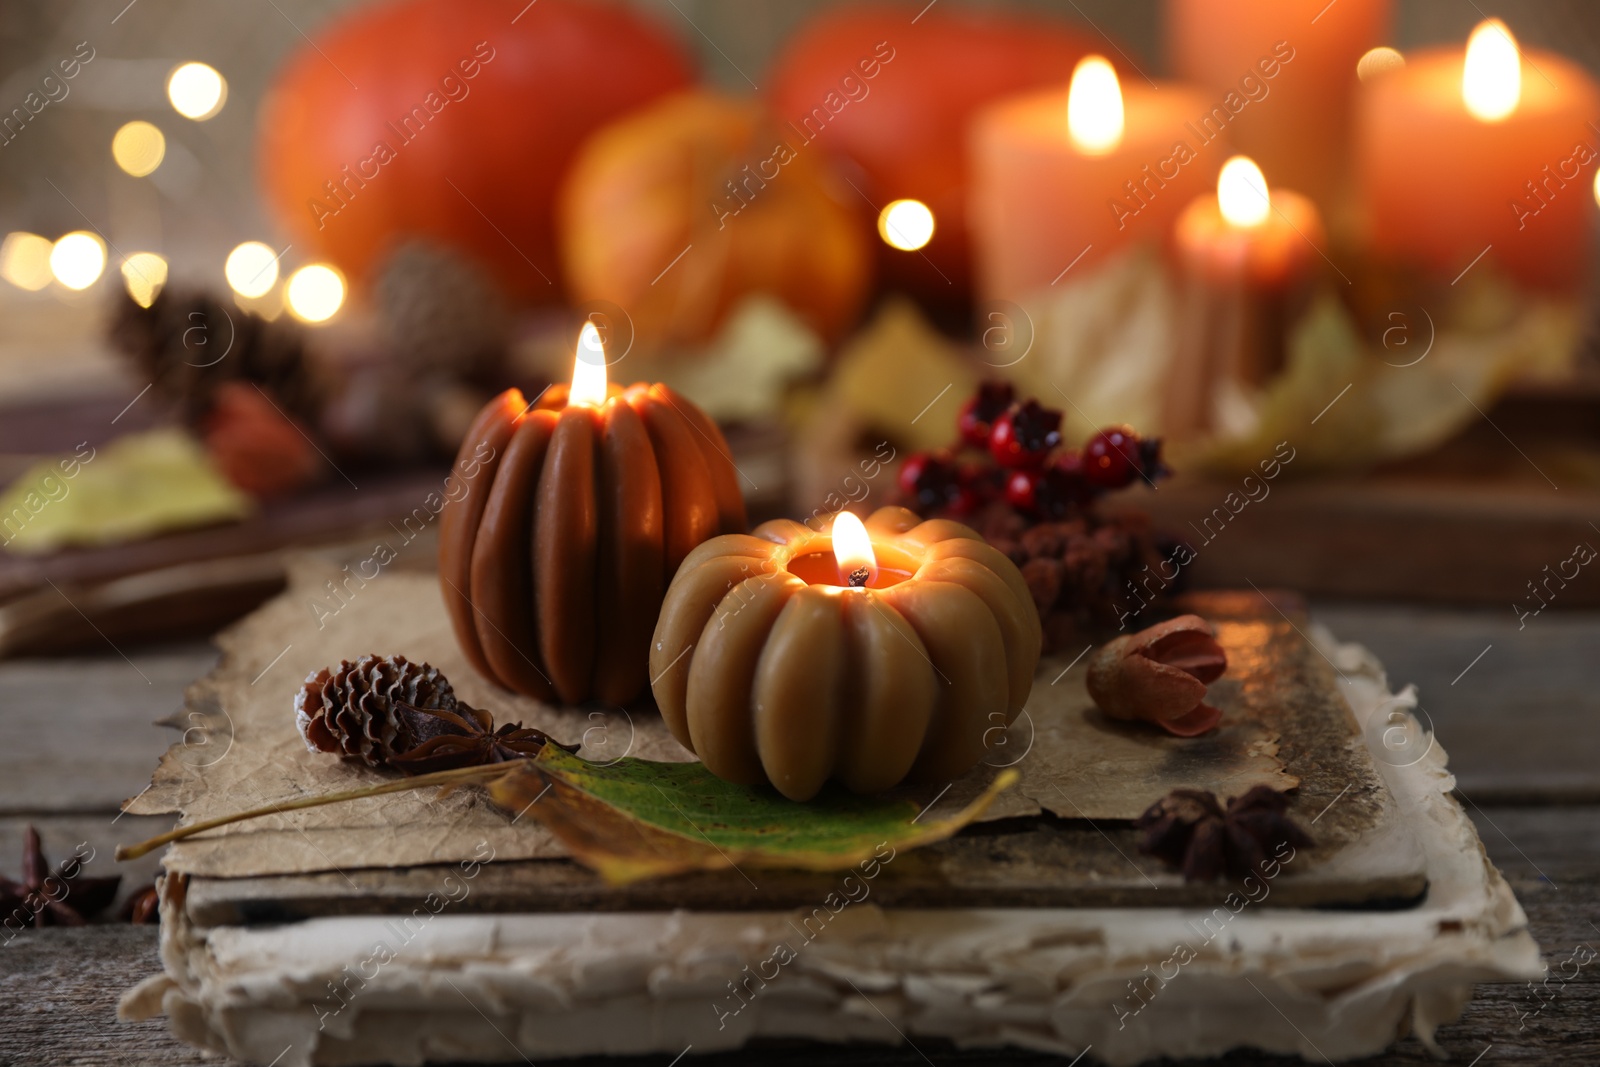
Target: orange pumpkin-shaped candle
[582,506]
[898,650]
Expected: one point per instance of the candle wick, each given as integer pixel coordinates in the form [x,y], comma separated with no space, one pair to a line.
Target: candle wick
[858,577]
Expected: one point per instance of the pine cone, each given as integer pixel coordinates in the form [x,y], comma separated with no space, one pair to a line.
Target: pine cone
[1079,569]
[354,710]
[442,313]
[390,712]
[189,343]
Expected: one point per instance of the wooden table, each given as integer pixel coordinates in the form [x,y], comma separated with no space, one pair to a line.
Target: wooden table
[1517,709]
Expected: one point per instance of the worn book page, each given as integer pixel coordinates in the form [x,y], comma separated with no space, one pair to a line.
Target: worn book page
[241,749]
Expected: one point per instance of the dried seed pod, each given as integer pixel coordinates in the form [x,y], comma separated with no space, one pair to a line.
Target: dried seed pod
[1190,830]
[143,908]
[1160,675]
[59,896]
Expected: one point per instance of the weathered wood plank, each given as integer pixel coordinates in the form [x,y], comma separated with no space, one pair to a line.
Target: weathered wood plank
[81,733]
[333,512]
[94,836]
[58,1000]
[1445,542]
[1519,722]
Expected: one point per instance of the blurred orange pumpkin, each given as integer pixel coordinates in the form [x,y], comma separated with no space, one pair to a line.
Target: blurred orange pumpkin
[452,120]
[678,211]
[890,92]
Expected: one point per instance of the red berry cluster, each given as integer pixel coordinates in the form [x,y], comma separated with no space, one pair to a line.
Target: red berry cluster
[1011,450]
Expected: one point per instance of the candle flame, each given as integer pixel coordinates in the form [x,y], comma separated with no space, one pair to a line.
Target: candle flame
[1094,106]
[588,369]
[1242,192]
[852,549]
[1491,78]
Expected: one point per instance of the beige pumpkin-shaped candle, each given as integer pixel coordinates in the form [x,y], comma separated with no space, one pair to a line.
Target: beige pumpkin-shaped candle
[898,650]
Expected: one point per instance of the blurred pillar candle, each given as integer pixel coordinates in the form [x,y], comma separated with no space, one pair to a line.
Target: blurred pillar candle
[1064,179]
[1489,148]
[1247,256]
[1282,74]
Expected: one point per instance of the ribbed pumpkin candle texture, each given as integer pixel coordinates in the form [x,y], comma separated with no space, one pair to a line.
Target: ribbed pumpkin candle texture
[895,651]
[587,499]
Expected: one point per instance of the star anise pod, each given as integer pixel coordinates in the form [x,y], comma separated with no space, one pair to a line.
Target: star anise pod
[463,737]
[1189,829]
[63,897]
[143,907]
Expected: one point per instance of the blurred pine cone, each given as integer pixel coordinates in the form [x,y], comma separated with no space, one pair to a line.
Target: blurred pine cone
[353,710]
[377,414]
[1083,573]
[443,314]
[188,343]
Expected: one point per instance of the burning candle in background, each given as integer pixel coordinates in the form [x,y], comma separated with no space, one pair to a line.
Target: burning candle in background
[1247,256]
[1282,75]
[1482,151]
[1248,234]
[1065,179]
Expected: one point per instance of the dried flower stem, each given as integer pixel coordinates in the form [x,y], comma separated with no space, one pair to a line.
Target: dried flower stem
[456,776]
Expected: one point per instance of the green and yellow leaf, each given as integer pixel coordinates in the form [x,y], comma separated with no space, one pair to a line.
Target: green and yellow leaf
[636,819]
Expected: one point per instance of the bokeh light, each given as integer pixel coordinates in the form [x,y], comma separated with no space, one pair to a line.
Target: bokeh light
[25,261]
[315,293]
[906,225]
[1378,61]
[78,259]
[138,147]
[144,273]
[251,269]
[197,91]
